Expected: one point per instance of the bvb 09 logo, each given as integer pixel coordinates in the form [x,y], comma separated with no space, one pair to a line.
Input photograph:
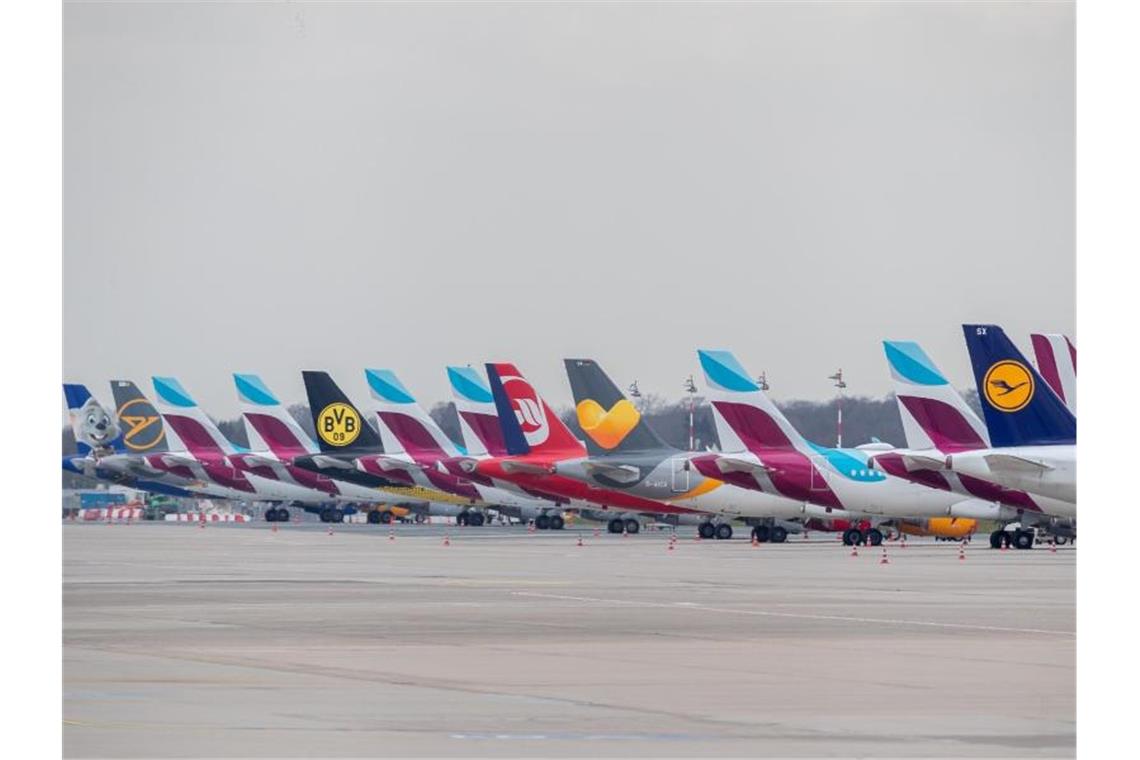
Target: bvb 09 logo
[1009,386]
[338,424]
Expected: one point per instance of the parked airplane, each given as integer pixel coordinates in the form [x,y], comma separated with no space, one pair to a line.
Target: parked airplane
[938,423]
[1057,363]
[483,439]
[1032,433]
[763,451]
[537,441]
[351,451]
[626,454]
[100,449]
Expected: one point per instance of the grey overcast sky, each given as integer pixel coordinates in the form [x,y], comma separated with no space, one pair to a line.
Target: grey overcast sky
[270,187]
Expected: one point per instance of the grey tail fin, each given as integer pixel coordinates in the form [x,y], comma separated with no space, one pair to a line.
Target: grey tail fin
[610,421]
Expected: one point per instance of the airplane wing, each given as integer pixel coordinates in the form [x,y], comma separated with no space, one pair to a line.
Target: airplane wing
[528,468]
[621,473]
[1014,463]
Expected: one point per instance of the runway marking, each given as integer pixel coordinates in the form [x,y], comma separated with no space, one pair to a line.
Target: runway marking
[797,615]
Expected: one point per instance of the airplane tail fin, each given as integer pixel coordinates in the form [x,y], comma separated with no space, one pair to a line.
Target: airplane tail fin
[94,426]
[934,414]
[143,429]
[1020,408]
[1057,362]
[340,425]
[529,425]
[478,417]
[268,424]
[403,422]
[610,421]
[746,419]
[197,431]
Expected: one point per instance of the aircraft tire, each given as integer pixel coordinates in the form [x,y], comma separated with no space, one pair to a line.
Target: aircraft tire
[852,537]
[374,517]
[632,526]
[271,514]
[997,538]
[706,530]
[1023,539]
[875,537]
[723,532]
[779,535]
[477,519]
[325,515]
[557,523]
[336,515]
[542,522]
[387,517]
[282,514]
[762,533]
[461,519]
[616,525]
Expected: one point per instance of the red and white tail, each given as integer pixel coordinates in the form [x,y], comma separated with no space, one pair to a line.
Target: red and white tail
[1057,362]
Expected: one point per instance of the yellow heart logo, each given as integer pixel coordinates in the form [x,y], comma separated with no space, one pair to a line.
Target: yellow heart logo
[607,429]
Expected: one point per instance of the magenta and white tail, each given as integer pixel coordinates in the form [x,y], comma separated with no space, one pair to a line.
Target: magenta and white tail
[1057,362]
[268,424]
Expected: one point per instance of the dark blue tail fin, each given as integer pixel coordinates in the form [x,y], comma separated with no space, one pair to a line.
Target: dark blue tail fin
[1020,408]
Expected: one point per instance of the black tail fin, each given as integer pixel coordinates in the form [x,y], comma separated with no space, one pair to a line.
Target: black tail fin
[609,420]
[142,426]
[340,425]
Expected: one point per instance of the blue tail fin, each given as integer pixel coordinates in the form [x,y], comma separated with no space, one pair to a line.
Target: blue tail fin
[94,426]
[1020,407]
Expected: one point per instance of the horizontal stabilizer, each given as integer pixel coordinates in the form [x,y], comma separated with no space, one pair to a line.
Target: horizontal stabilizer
[393,463]
[257,460]
[1014,463]
[325,462]
[179,460]
[620,473]
[527,468]
[731,464]
[920,462]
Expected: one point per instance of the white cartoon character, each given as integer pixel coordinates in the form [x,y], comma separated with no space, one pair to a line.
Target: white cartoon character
[95,426]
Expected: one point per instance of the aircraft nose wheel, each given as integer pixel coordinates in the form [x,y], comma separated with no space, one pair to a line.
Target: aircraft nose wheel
[542,522]
[852,537]
[779,535]
[761,533]
[875,537]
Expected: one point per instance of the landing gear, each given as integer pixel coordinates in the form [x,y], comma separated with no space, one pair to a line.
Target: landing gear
[476,519]
[542,522]
[332,515]
[852,537]
[723,532]
[556,522]
[374,517]
[632,526]
[875,537]
[761,533]
[778,535]
[1023,539]
[999,538]
[706,530]
[277,514]
[616,525]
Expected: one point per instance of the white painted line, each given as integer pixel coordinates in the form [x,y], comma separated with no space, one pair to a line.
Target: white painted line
[797,615]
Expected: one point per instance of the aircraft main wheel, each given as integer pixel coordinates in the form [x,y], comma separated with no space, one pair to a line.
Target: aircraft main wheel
[779,535]
[852,537]
[542,522]
[336,515]
[875,536]
[476,519]
[1023,539]
[997,538]
[271,515]
[723,532]
[706,530]
[761,533]
[326,515]
[282,514]
[632,526]
[461,519]
[557,523]
[1060,540]
[386,517]
[616,525]
[374,517]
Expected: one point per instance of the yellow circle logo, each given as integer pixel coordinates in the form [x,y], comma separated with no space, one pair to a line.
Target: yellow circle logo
[1008,386]
[338,424]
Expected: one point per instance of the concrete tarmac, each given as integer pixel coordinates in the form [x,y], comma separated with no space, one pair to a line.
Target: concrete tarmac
[239,641]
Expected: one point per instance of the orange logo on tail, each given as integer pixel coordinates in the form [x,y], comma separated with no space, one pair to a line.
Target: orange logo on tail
[607,429]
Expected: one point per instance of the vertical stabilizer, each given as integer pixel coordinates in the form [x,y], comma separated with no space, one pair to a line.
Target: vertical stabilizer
[934,414]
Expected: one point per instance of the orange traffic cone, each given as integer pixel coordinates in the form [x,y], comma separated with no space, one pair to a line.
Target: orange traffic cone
[580,540]
[854,550]
[391,534]
[754,541]
[274,528]
[884,560]
[596,533]
[330,530]
[962,552]
[902,541]
[446,540]
[1052,547]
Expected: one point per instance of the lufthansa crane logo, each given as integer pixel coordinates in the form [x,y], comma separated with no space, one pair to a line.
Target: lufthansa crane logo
[338,424]
[1008,386]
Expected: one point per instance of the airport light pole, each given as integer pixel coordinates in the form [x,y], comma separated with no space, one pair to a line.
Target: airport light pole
[762,381]
[840,385]
[634,393]
[691,389]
